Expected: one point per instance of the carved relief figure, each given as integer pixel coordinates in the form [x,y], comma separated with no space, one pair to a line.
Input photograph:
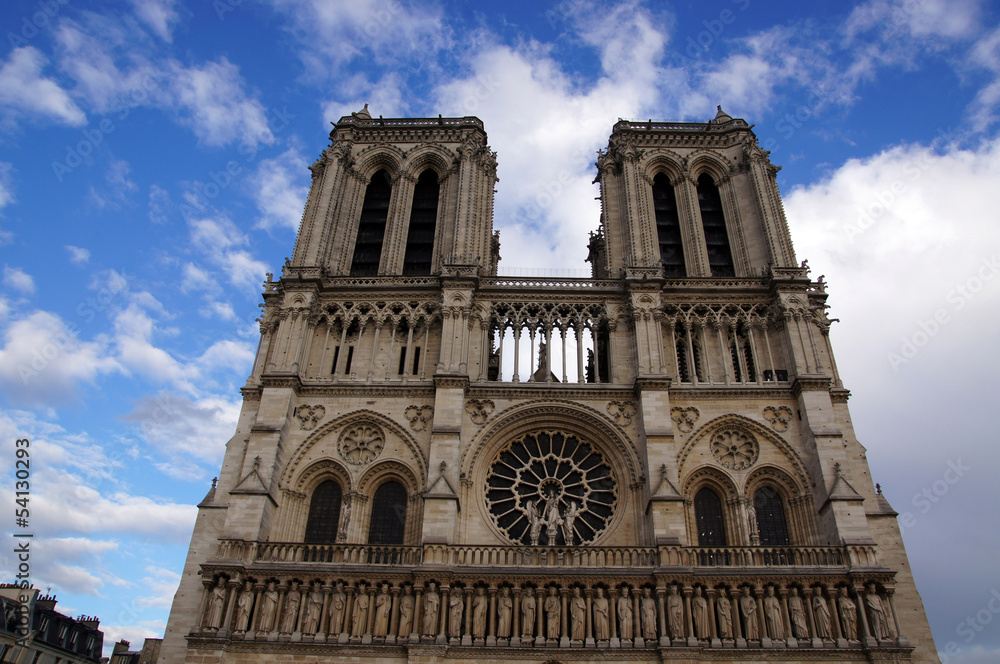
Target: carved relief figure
[406,606]
[479,603]
[535,529]
[314,608]
[432,604]
[748,606]
[675,613]
[876,613]
[362,603]
[552,518]
[217,605]
[625,615]
[648,608]
[725,610]
[821,613]
[291,616]
[797,615]
[699,612]
[602,629]
[505,606]
[456,606]
[772,615]
[552,614]
[337,603]
[568,520]
[528,613]
[577,616]
[267,614]
[383,607]
[848,615]
[243,607]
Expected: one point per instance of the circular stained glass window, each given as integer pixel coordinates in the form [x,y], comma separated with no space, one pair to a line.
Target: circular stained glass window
[551,488]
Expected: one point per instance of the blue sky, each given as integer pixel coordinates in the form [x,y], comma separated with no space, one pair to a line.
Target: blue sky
[153,160]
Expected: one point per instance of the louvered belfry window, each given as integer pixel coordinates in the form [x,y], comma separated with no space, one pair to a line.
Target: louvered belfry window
[708,516]
[324,514]
[720,256]
[771,524]
[668,227]
[423,223]
[388,522]
[371,228]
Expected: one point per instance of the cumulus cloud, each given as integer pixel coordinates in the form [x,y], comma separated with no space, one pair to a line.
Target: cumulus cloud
[280,187]
[17,279]
[159,15]
[222,243]
[78,255]
[6,185]
[25,92]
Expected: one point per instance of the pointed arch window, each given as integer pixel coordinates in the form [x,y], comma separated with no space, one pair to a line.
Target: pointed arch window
[388,522]
[708,517]
[324,514]
[668,227]
[720,255]
[371,228]
[423,224]
[771,524]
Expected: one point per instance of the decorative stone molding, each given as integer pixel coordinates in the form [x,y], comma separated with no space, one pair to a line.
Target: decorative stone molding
[419,416]
[778,416]
[479,409]
[622,412]
[309,416]
[684,418]
[361,443]
[735,449]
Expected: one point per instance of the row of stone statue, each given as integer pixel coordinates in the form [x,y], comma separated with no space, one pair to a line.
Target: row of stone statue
[477,615]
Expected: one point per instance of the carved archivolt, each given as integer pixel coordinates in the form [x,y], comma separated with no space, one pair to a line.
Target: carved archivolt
[621,411]
[309,416]
[778,416]
[385,470]
[479,409]
[684,418]
[319,472]
[735,448]
[419,416]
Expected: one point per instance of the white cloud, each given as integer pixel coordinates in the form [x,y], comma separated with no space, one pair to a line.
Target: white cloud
[159,202]
[119,186]
[24,92]
[160,15]
[221,241]
[280,187]
[78,255]
[196,278]
[17,279]
[6,185]
[952,19]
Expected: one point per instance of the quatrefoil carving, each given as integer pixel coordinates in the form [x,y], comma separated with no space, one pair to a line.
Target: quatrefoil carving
[309,416]
[419,416]
[778,416]
[479,409]
[684,418]
[621,411]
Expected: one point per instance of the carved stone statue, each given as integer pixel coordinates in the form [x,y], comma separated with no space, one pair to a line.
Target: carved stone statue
[848,615]
[648,609]
[699,613]
[217,605]
[568,520]
[821,613]
[552,517]
[314,608]
[602,628]
[456,606]
[432,604]
[291,616]
[876,614]
[725,610]
[406,606]
[269,610]
[359,624]
[675,613]
[528,613]
[624,611]
[337,603]
[553,614]
[383,607]
[772,615]
[243,607]
[505,607]
[535,520]
[479,604]
[748,607]
[797,615]
[577,616]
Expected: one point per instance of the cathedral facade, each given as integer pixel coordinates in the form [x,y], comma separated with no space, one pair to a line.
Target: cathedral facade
[433,462]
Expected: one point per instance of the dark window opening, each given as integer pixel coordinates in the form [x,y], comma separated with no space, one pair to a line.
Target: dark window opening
[350,359]
[371,228]
[708,517]
[771,524]
[668,227]
[737,368]
[388,522]
[336,356]
[720,257]
[416,360]
[777,374]
[683,373]
[324,514]
[423,223]
[602,341]
[402,360]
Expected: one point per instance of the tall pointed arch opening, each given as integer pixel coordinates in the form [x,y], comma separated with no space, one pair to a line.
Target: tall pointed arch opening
[668,227]
[423,225]
[720,255]
[371,228]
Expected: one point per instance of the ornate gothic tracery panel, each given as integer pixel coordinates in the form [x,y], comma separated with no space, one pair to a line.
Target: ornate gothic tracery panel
[551,487]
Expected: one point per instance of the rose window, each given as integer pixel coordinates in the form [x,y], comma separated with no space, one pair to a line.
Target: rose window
[361,444]
[734,449]
[551,488]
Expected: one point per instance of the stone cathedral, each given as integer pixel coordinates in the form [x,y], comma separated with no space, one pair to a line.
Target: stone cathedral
[434,463]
